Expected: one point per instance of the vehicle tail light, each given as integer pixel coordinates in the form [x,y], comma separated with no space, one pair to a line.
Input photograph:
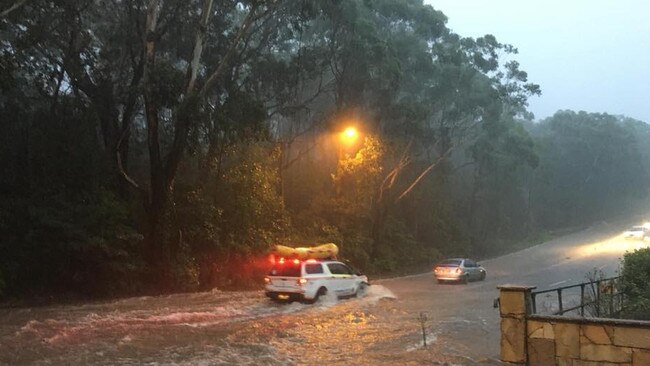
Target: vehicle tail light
[267,280]
[301,281]
[458,270]
[296,261]
[435,269]
[281,261]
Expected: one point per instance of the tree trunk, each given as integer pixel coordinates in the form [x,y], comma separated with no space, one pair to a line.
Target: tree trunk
[158,191]
[379,215]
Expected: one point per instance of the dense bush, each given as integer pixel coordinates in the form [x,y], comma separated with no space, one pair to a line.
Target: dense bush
[2,284]
[232,219]
[635,284]
[58,245]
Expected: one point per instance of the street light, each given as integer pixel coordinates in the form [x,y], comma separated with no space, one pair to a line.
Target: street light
[349,135]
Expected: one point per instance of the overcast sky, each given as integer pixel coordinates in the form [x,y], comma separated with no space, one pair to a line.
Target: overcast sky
[591,55]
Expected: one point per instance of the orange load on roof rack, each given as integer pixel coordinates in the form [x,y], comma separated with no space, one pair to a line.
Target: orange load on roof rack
[324,251]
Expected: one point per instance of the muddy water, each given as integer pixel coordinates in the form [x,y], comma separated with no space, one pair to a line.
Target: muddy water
[118,332]
[205,328]
[219,328]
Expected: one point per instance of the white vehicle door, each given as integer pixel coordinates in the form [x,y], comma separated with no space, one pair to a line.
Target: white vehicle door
[349,282]
[340,278]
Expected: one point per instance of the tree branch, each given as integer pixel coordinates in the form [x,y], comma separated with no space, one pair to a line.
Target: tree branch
[251,17]
[299,156]
[198,46]
[120,166]
[423,174]
[151,109]
[183,119]
[15,6]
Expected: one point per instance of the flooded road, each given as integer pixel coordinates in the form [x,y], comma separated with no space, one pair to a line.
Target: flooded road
[244,328]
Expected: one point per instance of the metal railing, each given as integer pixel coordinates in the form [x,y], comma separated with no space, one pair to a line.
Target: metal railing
[604,297]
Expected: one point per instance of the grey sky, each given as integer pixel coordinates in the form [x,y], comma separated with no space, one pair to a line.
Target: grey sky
[586,55]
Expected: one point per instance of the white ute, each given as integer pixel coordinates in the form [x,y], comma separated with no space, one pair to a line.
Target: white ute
[307,280]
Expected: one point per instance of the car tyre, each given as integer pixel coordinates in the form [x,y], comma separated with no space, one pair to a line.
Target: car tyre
[482,276]
[321,292]
[362,290]
[464,280]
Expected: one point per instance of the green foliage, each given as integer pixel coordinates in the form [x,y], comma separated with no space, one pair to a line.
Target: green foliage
[234,218]
[2,284]
[358,175]
[253,213]
[635,284]
[81,246]
[185,272]
[399,252]
[591,167]
[499,209]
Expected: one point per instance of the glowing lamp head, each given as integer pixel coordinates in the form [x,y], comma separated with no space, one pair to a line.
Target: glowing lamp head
[350,135]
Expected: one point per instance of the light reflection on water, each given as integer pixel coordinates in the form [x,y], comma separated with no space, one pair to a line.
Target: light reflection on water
[616,245]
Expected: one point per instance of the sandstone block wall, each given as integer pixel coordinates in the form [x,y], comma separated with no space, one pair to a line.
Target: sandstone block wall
[553,340]
[514,307]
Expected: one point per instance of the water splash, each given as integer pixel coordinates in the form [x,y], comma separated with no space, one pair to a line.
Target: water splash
[431,339]
[375,293]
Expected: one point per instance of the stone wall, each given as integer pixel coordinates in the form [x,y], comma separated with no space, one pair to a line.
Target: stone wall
[514,307]
[538,340]
[557,340]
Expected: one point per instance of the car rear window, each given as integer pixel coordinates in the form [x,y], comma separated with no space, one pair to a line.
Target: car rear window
[285,270]
[450,263]
[312,268]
